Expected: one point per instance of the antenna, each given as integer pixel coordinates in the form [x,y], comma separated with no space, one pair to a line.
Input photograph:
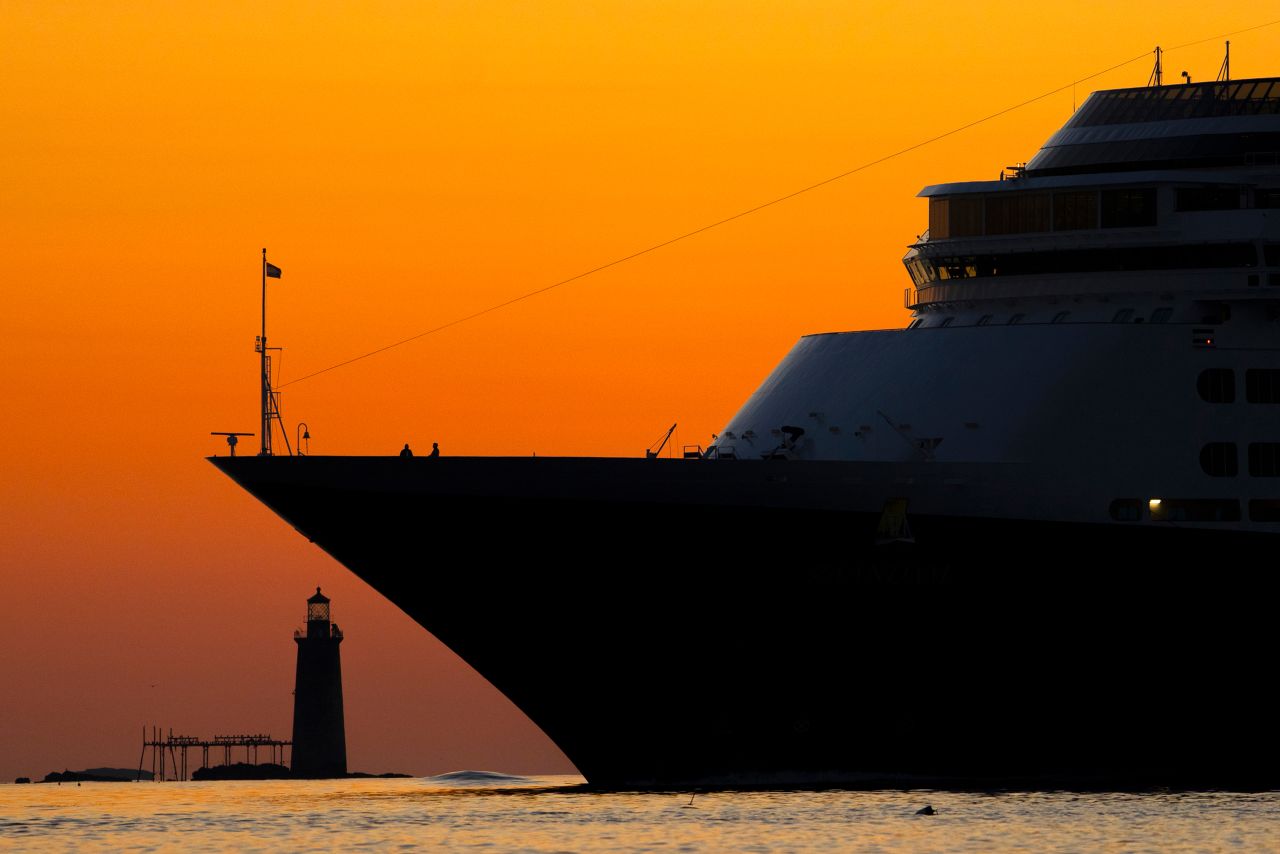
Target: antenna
[1157,73]
[1224,73]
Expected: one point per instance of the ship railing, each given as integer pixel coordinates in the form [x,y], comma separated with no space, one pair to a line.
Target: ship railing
[914,297]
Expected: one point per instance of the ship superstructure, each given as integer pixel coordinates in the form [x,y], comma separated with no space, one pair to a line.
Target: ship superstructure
[1023,539]
[1105,317]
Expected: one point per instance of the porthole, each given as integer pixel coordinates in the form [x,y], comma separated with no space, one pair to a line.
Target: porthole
[1264,510]
[1126,509]
[1219,459]
[1195,510]
[1264,459]
[1262,385]
[1217,385]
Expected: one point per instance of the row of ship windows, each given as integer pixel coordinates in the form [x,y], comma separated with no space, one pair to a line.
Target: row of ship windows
[1020,213]
[1078,210]
[1168,103]
[1218,385]
[1124,315]
[1220,459]
[1204,256]
[1194,509]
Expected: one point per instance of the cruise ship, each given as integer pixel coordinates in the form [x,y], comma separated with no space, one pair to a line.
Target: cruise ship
[1028,539]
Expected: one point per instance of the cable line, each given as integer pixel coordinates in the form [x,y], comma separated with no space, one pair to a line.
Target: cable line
[1224,35]
[749,211]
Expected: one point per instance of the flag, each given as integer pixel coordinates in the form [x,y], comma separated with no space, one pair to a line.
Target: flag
[273,272]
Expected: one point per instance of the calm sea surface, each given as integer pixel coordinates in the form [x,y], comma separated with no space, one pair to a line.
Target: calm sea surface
[554,814]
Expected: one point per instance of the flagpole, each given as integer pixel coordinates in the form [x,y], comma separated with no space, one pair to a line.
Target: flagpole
[265,442]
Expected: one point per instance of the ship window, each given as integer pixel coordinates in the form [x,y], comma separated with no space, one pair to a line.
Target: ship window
[1264,510]
[1075,210]
[1202,100]
[1124,315]
[919,270]
[1060,316]
[1208,199]
[1128,208]
[1126,509]
[927,273]
[1217,385]
[1176,257]
[1195,510]
[1219,459]
[1268,198]
[1272,253]
[915,323]
[939,222]
[1161,315]
[1017,213]
[946,321]
[966,216]
[1262,385]
[1016,319]
[1264,459]
[984,320]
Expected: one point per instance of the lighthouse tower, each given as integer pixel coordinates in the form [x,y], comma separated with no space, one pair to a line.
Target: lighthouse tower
[319,734]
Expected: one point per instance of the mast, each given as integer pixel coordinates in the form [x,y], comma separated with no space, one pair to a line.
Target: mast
[265,377]
[270,399]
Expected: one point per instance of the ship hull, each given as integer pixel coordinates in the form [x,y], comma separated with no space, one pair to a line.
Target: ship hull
[683,623]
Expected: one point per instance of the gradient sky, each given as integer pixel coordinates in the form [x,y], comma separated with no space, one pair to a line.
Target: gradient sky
[405,164]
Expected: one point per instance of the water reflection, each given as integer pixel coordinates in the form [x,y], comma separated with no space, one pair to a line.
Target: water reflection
[545,814]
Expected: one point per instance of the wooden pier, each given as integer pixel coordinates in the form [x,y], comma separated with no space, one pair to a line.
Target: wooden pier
[177,748]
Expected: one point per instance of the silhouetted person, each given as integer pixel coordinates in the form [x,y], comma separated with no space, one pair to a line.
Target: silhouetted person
[435,450]
[927,810]
[405,452]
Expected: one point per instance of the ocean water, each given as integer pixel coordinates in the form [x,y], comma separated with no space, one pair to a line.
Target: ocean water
[557,814]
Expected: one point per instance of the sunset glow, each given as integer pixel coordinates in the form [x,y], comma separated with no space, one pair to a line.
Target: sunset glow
[407,164]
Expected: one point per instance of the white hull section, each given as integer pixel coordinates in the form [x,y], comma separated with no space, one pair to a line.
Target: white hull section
[1063,418]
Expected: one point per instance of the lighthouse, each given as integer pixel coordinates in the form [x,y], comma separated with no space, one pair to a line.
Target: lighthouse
[319,734]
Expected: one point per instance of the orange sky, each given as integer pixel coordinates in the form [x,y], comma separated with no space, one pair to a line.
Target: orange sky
[408,163]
